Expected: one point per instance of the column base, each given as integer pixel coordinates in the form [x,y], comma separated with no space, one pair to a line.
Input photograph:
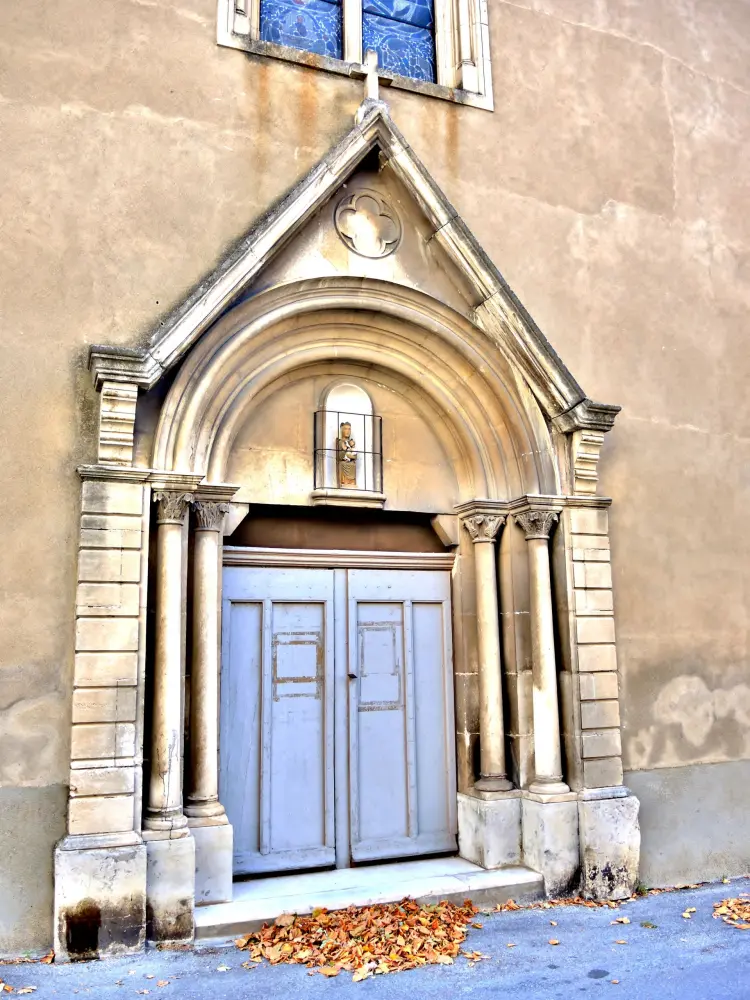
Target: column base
[214,862]
[551,845]
[100,901]
[610,846]
[170,890]
[493,783]
[549,788]
[489,829]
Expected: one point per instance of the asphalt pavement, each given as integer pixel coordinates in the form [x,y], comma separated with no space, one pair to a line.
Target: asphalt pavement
[664,957]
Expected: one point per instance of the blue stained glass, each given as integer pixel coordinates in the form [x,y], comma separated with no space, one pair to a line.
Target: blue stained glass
[314,25]
[402,48]
[417,12]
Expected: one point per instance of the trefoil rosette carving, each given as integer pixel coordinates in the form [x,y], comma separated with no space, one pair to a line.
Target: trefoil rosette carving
[209,515]
[171,506]
[483,527]
[537,523]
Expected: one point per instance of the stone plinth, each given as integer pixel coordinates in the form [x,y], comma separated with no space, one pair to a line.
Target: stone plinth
[550,842]
[170,890]
[610,844]
[100,901]
[489,829]
[214,847]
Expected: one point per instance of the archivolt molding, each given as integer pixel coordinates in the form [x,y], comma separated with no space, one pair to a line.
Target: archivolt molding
[496,423]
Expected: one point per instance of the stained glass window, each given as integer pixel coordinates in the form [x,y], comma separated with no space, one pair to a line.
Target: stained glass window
[402,33]
[314,25]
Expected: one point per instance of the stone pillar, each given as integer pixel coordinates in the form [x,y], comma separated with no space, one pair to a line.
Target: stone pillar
[206,816]
[537,525]
[483,528]
[170,848]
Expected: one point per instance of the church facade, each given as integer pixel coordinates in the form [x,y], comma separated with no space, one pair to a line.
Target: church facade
[346,552]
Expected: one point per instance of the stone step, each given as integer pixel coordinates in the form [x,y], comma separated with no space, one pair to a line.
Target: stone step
[261,900]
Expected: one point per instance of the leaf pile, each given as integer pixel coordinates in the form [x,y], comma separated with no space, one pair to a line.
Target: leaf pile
[735,912]
[365,940]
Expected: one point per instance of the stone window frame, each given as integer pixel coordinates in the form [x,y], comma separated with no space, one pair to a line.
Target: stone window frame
[462,48]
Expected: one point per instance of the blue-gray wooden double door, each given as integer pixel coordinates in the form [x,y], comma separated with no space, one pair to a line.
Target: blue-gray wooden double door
[336,716]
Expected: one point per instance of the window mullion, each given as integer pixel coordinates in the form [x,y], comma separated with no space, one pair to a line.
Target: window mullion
[446,56]
[353,31]
[468,72]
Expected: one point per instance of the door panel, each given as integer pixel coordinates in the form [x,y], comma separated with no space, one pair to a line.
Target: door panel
[276,770]
[402,771]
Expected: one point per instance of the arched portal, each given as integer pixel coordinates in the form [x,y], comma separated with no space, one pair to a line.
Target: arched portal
[484,637]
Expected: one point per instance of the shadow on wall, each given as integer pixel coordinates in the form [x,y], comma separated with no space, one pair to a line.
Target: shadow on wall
[687,713]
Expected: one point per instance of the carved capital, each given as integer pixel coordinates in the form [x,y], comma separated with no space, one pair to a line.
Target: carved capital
[483,527]
[537,523]
[172,506]
[210,515]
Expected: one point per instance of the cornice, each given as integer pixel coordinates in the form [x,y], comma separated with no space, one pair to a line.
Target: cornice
[587,415]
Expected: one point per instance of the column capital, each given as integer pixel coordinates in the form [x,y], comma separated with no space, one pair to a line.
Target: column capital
[483,527]
[209,514]
[537,523]
[171,506]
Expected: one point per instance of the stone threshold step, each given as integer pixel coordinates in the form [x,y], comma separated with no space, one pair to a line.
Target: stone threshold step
[262,900]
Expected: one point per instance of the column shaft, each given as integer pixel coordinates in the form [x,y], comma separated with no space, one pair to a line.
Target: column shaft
[203,796]
[165,786]
[491,723]
[547,752]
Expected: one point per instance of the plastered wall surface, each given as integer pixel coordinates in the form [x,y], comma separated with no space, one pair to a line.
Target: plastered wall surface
[609,186]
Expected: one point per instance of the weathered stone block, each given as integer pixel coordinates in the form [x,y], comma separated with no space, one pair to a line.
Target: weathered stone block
[600,659]
[105,669]
[109,565]
[100,814]
[598,687]
[595,630]
[589,522]
[605,773]
[108,599]
[593,601]
[102,740]
[591,542]
[602,744]
[600,714]
[591,555]
[550,844]
[110,538]
[489,830]
[214,863]
[170,890]
[106,634]
[595,575]
[610,847]
[100,902]
[100,704]
[102,781]
[112,498]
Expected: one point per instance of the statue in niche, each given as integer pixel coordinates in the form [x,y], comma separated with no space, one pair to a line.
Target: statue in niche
[346,457]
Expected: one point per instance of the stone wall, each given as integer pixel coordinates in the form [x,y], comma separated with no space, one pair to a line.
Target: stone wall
[609,186]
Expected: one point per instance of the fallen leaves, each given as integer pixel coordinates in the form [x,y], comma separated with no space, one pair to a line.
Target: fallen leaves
[689,913]
[621,941]
[735,911]
[621,920]
[554,941]
[366,941]
[648,925]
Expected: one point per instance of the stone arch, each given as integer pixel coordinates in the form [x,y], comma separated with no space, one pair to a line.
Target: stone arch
[493,424]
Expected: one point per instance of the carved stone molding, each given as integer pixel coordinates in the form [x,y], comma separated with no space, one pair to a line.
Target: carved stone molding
[537,523]
[483,527]
[210,515]
[171,507]
[585,447]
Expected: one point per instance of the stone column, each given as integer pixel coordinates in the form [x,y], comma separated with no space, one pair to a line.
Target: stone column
[170,848]
[483,528]
[547,755]
[206,816]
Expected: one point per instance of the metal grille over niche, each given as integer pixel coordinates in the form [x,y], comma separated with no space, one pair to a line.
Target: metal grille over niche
[348,451]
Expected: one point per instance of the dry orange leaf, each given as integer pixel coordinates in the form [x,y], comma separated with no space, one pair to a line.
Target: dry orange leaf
[735,911]
[554,941]
[621,941]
